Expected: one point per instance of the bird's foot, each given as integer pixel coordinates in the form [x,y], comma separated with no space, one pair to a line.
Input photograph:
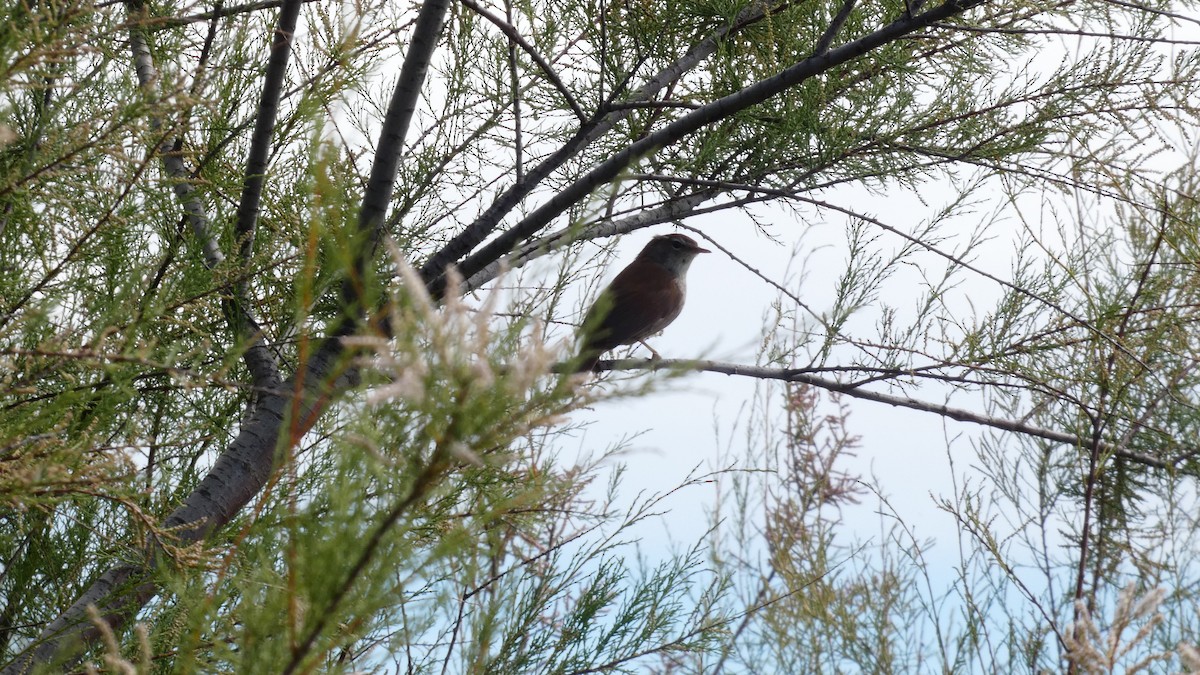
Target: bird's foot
[654,356]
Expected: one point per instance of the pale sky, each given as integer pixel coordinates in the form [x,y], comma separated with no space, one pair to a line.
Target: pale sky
[905,450]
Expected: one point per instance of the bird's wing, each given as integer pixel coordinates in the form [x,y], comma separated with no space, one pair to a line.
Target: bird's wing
[633,311]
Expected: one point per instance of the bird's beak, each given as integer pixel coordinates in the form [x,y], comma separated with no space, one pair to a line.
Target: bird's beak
[702,250]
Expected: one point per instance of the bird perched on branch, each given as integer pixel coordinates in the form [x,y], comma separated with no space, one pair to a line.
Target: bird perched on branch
[641,301]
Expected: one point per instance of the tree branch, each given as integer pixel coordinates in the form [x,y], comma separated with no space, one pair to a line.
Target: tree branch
[482,227]
[263,369]
[687,124]
[264,127]
[242,470]
[835,26]
[516,38]
[371,217]
[673,210]
[804,376]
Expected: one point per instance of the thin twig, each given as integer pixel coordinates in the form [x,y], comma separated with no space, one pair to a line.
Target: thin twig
[671,133]
[804,376]
[515,38]
[462,244]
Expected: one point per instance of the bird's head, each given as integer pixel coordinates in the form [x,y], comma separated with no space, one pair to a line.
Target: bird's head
[673,251]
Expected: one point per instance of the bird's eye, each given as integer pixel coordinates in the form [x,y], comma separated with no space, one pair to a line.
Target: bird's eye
[676,244]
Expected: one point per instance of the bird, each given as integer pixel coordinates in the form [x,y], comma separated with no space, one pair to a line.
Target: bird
[641,301]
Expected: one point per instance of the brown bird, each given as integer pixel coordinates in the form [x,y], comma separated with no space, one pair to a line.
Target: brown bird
[644,298]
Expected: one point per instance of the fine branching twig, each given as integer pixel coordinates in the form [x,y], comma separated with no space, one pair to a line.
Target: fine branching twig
[804,376]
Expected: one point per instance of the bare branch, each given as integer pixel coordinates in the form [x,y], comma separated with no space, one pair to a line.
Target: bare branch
[258,359]
[218,13]
[835,26]
[677,130]
[372,215]
[516,38]
[804,376]
[264,127]
[484,225]
[672,210]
